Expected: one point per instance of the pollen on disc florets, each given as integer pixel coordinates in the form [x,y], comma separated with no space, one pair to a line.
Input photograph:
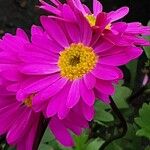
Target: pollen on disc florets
[28,101]
[91,19]
[76,60]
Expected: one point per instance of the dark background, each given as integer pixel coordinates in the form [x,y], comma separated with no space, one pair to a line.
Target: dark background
[23,13]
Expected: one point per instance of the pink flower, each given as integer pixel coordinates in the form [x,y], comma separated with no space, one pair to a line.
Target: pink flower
[22,130]
[17,121]
[70,65]
[105,23]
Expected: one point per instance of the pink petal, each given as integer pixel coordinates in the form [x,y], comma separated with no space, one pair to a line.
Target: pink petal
[63,109]
[105,87]
[102,97]
[105,72]
[86,94]
[52,107]
[57,104]
[89,81]
[68,13]
[27,142]
[97,7]
[49,8]
[120,27]
[127,54]
[118,14]
[37,85]
[86,8]
[102,21]
[77,130]
[12,74]
[6,115]
[22,34]
[102,45]
[36,30]
[13,87]
[60,132]
[117,40]
[78,5]
[38,57]
[39,69]
[73,32]
[47,45]
[78,118]
[20,127]
[55,31]
[88,112]
[49,91]
[85,30]
[74,94]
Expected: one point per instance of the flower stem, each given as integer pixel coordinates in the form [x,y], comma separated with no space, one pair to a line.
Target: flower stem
[40,131]
[122,125]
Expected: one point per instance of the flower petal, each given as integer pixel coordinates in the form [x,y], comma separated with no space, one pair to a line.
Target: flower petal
[86,94]
[20,127]
[89,81]
[49,91]
[39,69]
[127,54]
[60,132]
[88,112]
[54,30]
[105,72]
[74,94]
[105,87]
[97,7]
[118,14]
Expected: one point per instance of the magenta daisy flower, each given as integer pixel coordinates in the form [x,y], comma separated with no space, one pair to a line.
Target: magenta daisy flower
[66,10]
[17,121]
[116,32]
[74,66]
[22,130]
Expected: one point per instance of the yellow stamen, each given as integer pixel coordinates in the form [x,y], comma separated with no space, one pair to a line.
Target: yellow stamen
[108,27]
[76,60]
[28,101]
[91,19]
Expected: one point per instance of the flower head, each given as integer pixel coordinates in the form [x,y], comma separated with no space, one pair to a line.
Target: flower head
[104,23]
[22,130]
[70,66]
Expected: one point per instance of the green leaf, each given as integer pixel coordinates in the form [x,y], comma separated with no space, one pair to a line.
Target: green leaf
[102,114]
[143,121]
[95,144]
[80,141]
[114,146]
[121,95]
[45,147]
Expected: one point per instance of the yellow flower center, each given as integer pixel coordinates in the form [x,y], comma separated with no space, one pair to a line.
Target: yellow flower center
[108,27]
[28,101]
[91,19]
[76,60]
